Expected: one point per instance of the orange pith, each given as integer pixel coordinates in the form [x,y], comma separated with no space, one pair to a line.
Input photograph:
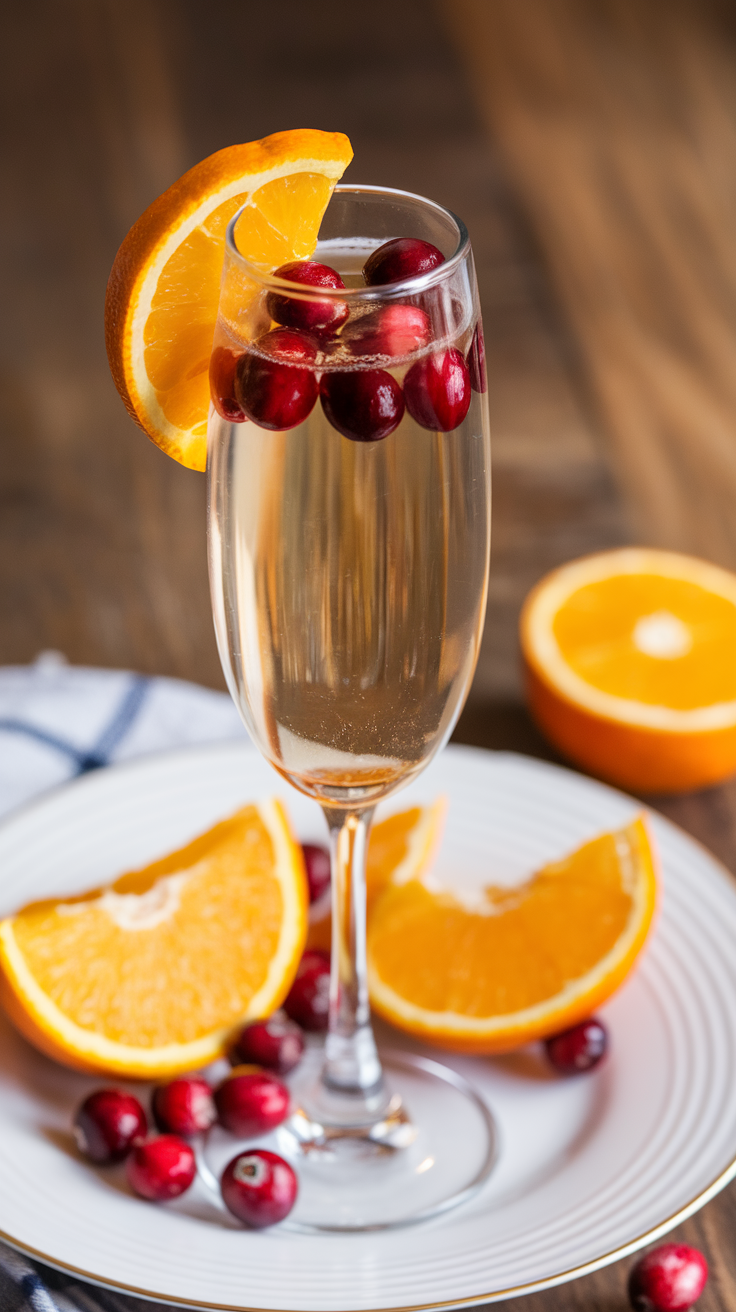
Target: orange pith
[527,962]
[630,670]
[149,976]
[399,848]
[163,293]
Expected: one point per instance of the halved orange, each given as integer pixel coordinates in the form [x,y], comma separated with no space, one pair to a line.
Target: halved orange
[164,287]
[630,660]
[400,848]
[149,976]
[527,962]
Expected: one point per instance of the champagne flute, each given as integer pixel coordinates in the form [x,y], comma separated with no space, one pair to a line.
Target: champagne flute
[349,574]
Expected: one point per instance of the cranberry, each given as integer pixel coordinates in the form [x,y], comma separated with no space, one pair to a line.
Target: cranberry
[184,1106]
[394,330]
[276,1043]
[437,391]
[317,861]
[108,1124]
[578,1049]
[476,360]
[251,1103]
[308,1002]
[667,1279]
[259,1188]
[365,405]
[273,383]
[315,316]
[404,257]
[223,363]
[161,1168]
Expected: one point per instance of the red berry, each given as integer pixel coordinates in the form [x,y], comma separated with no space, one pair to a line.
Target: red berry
[667,1279]
[108,1124]
[223,363]
[437,391]
[477,360]
[313,316]
[259,1188]
[252,1103]
[161,1168]
[578,1049]
[274,385]
[185,1106]
[276,1043]
[404,257]
[317,861]
[365,405]
[394,330]
[308,1001]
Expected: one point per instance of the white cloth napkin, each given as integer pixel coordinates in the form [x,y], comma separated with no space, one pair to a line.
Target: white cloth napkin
[58,721]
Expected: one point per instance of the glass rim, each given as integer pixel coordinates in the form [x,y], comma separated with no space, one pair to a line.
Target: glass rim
[420,282]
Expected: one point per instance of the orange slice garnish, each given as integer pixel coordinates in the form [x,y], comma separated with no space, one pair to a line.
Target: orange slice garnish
[149,976]
[163,292]
[630,667]
[523,963]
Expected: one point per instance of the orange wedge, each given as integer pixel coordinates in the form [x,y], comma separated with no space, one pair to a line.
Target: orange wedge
[630,667]
[149,976]
[164,287]
[525,962]
[400,848]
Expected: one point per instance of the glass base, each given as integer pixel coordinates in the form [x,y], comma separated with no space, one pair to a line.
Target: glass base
[432,1149]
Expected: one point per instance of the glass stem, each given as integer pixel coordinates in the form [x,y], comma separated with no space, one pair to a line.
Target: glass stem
[351,1064]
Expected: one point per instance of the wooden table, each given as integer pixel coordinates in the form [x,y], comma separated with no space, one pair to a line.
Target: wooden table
[589,146]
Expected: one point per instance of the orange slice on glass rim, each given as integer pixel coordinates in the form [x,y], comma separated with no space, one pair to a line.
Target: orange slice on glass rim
[150,976]
[163,292]
[630,669]
[519,963]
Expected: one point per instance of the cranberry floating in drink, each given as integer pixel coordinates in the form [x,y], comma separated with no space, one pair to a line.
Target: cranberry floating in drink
[437,391]
[394,330]
[402,258]
[108,1124]
[274,383]
[223,363]
[477,360]
[259,1187]
[313,316]
[364,405]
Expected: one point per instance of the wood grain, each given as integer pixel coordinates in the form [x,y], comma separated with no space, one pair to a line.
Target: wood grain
[617,120]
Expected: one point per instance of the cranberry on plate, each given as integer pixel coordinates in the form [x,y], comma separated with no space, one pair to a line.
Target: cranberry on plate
[274,383]
[161,1168]
[223,363]
[276,1043]
[477,360]
[579,1048]
[437,391]
[184,1106]
[364,405]
[317,862]
[393,330]
[251,1102]
[308,1001]
[108,1124]
[321,316]
[403,257]
[259,1187]
[667,1279]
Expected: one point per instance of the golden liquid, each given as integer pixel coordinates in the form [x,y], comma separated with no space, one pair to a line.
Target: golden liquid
[349,585]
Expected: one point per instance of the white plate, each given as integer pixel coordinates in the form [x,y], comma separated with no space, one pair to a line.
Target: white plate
[589,1168]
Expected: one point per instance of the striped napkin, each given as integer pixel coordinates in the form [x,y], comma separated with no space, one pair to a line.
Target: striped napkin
[58,721]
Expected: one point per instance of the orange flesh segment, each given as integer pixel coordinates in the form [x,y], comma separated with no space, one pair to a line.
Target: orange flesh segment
[594,628]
